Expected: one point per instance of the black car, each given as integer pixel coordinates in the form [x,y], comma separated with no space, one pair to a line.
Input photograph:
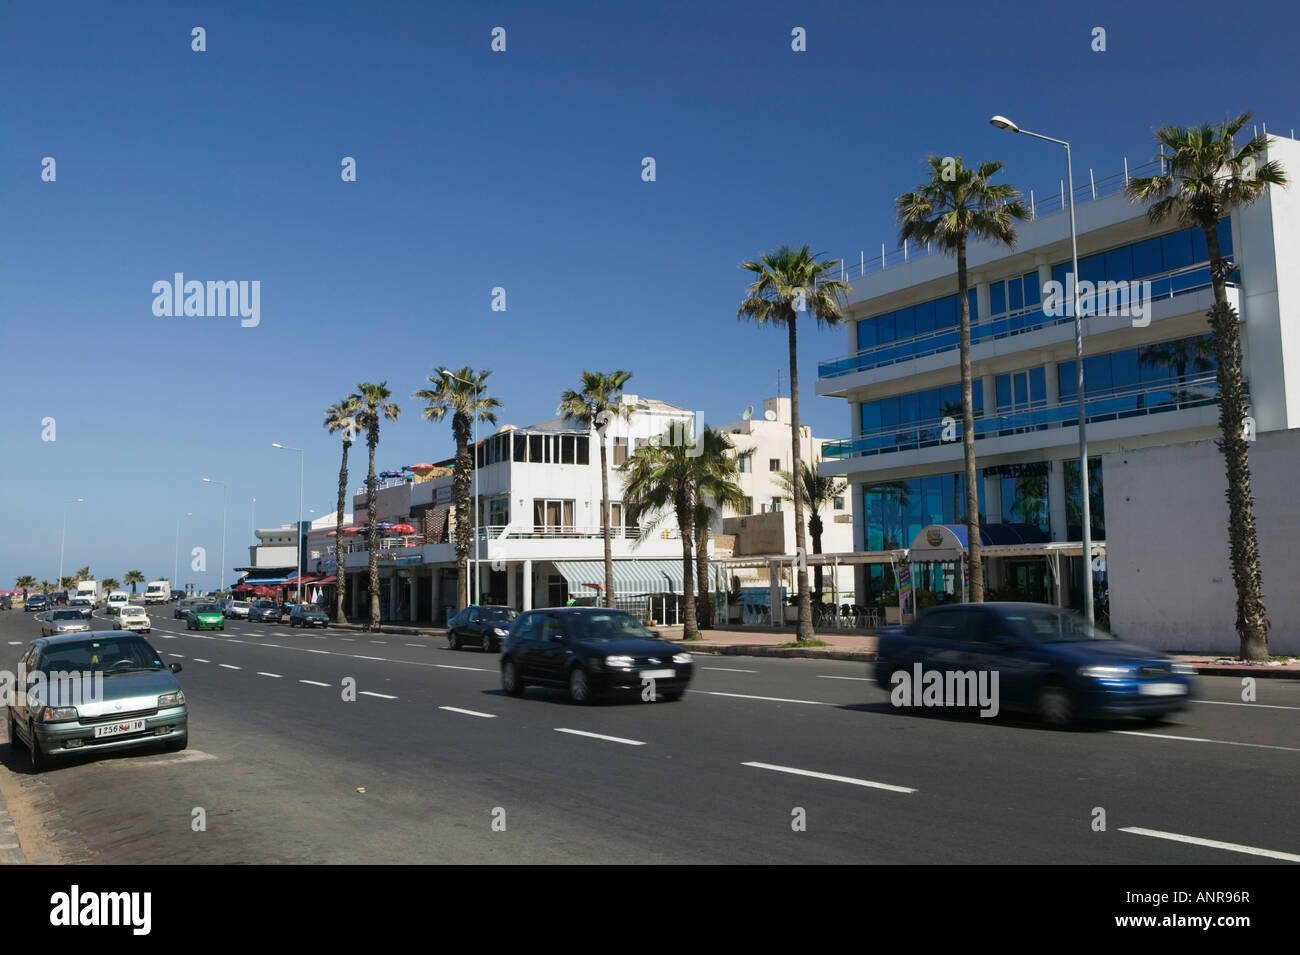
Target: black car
[177,595]
[308,615]
[6,602]
[37,602]
[591,651]
[482,627]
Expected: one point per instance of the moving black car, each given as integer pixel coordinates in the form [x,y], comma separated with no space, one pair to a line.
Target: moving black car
[37,602]
[482,627]
[308,615]
[591,651]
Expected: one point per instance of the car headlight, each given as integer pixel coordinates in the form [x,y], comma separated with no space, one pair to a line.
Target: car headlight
[618,661]
[58,714]
[681,658]
[171,699]
[1184,669]
[1105,673]
[501,631]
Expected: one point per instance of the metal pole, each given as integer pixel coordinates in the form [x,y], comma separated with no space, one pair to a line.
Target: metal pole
[225,495]
[478,581]
[301,457]
[1083,424]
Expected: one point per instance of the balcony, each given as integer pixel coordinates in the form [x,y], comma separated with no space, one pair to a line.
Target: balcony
[1164,286]
[1146,399]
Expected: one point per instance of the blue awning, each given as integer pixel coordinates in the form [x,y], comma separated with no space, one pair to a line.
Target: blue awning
[265,581]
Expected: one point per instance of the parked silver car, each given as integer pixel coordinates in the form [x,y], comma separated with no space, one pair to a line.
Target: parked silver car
[91,692]
[236,609]
[63,621]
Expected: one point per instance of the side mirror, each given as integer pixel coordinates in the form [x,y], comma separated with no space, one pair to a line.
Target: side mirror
[174,667]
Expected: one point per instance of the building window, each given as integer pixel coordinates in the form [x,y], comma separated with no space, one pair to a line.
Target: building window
[521,447]
[838,504]
[615,518]
[584,449]
[499,511]
[747,508]
[551,516]
[620,451]
[566,449]
[776,504]
[774,464]
[744,463]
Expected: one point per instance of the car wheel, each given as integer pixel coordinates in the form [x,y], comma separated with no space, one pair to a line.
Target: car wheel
[1054,705]
[486,644]
[579,686]
[672,696]
[510,681]
[453,641]
[37,754]
[13,728]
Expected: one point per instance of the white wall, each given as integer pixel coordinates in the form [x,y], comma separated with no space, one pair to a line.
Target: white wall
[1167,544]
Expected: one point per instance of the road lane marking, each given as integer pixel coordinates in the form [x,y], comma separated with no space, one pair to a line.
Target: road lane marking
[319,636]
[415,644]
[771,699]
[276,675]
[358,656]
[327,652]
[728,670]
[201,660]
[15,643]
[229,666]
[384,642]
[1213,843]
[168,636]
[181,655]
[457,709]
[348,639]
[448,666]
[860,679]
[1266,706]
[837,779]
[276,645]
[611,739]
[1198,739]
[313,682]
[382,696]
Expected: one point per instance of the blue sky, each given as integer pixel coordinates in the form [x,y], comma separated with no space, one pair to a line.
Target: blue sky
[477,170]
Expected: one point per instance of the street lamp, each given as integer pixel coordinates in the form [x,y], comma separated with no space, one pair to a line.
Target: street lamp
[63,535]
[301,457]
[225,493]
[176,560]
[478,582]
[252,522]
[1001,122]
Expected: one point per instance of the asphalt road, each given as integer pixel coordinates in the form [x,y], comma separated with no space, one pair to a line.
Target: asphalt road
[432,763]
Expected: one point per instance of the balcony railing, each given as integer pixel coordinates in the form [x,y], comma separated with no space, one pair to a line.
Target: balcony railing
[493,532]
[1145,399]
[1165,285]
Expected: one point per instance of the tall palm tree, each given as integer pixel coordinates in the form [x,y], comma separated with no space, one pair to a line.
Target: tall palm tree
[133,577]
[25,583]
[461,393]
[342,417]
[373,405]
[111,584]
[818,492]
[659,480]
[790,281]
[65,583]
[1205,177]
[83,574]
[715,469]
[593,407]
[955,206]
[46,587]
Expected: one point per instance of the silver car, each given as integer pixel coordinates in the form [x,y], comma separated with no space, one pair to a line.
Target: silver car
[63,621]
[93,692]
[83,606]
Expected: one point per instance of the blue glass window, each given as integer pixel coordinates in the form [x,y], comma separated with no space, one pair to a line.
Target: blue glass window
[1177,249]
[1033,291]
[945,312]
[1119,264]
[1147,258]
[1016,294]
[997,299]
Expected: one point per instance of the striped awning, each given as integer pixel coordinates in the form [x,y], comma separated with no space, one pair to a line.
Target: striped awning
[631,577]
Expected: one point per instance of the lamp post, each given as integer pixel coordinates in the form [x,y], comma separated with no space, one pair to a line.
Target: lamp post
[478,582]
[176,560]
[1001,122]
[252,522]
[63,535]
[301,458]
[225,493]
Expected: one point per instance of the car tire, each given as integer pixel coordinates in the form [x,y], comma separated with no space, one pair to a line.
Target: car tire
[486,644]
[1054,705]
[453,641]
[38,760]
[511,682]
[580,690]
[13,728]
[672,696]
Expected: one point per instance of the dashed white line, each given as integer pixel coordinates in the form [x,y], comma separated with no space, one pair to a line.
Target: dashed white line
[201,660]
[275,675]
[15,643]
[836,779]
[421,644]
[229,666]
[1213,843]
[382,696]
[728,670]
[860,679]
[770,699]
[1266,706]
[348,639]
[383,642]
[321,636]
[448,666]
[1198,739]
[610,739]
[180,655]
[168,636]
[313,682]
[457,709]
[358,656]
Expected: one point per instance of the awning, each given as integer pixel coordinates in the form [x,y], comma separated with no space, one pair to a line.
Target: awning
[265,581]
[631,577]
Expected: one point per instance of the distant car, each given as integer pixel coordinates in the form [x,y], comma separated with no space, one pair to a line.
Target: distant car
[264,611]
[116,601]
[205,616]
[6,602]
[177,595]
[235,609]
[308,615]
[1048,661]
[83,606]
[37,602]
[63,621]
[482,627]
[136,702]
[186,605]
[133,618]
[591,651]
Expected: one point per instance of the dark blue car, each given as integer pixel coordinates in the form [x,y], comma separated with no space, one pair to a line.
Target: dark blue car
[1047,660]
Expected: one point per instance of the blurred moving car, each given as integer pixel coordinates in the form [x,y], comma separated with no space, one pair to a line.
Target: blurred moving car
[6,602]
[592,651]
[177,595]
[82,605]
[116,601]
[186,605]
[482,627]
[137,703]
[63,621]
[264,611]
[308,615]
[37,602]
[205,616]
[1049,661]
[133,618]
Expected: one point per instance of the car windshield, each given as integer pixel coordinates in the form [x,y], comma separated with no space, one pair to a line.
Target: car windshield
[239,603]
[499,613]
[78,601]
[207,608]
[607,626]
[1050,626]
[131,610]
[67,615]
[106,655]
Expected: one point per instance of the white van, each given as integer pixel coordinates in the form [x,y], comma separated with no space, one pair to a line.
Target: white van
[116,601]
[158,592]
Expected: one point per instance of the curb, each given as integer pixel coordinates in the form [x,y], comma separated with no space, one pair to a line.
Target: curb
[11,852]
[763,650]
[1275,673]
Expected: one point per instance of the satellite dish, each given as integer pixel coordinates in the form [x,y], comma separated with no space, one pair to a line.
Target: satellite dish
[749,413]
[769,414]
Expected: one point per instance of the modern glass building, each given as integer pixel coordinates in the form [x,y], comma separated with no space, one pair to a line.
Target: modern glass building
[1149,371]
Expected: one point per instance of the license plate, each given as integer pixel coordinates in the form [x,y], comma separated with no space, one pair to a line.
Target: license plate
[658,674]
[119,729]
[1162,689]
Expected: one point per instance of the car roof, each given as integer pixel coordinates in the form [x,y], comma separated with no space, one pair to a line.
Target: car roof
[89,635]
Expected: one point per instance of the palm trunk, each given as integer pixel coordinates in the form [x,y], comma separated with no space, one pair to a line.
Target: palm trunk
[974,559]
[1243,541]
[815,529]
[796,468]
[690,628]
[372,532]
[705,618]
[604,522]
[340,578]
[461,488]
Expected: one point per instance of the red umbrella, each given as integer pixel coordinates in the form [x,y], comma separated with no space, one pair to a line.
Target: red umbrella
[402,529]
[354,530]
[332,534]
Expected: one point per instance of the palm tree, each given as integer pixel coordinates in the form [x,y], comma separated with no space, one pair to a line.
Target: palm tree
[791,281]
[461,393]
[373,405]
[1205,177]
[957,205]
[25,583]
[659,479]
[46,587]
[65,583]
[342,417]
[593,407]
[715,470]
[111,584]
[818,492]
[83,574]
[133,577]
